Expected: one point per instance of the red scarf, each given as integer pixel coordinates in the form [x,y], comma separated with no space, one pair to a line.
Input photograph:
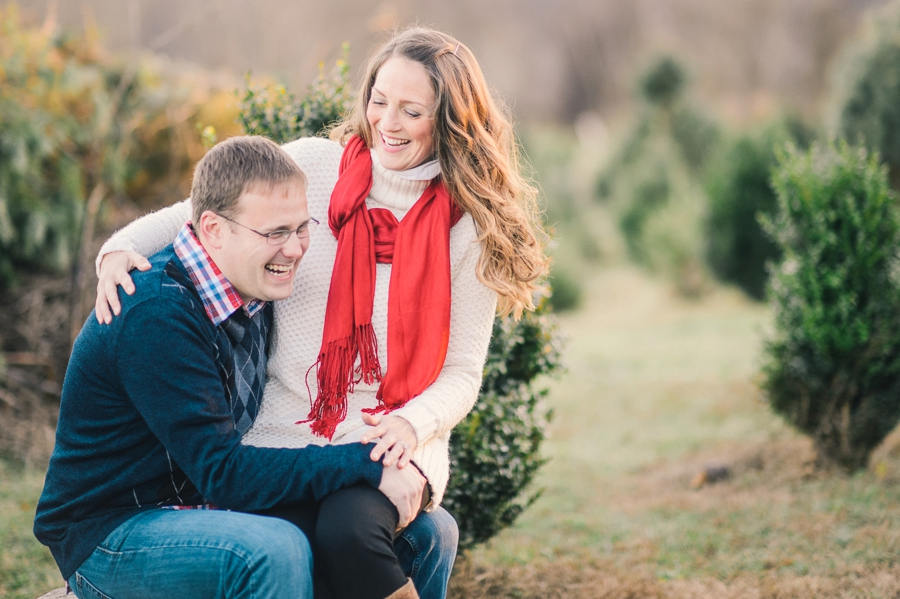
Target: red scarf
[419,294]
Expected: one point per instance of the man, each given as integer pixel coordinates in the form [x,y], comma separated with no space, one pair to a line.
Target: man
[154,405]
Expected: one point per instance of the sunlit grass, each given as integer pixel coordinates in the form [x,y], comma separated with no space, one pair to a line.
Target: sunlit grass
[658,388]
[26,568]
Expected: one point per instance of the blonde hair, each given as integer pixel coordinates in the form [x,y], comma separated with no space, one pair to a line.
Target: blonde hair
[479,160]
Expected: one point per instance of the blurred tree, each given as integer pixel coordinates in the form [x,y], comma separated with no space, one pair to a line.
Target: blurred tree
[663,82]
[868,88]
[653,179]
[739,190]
[833,366]
[77,127]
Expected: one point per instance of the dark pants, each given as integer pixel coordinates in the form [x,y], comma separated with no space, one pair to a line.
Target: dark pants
[352,536]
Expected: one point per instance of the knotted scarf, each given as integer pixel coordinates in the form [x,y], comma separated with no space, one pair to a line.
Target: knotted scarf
[418,294]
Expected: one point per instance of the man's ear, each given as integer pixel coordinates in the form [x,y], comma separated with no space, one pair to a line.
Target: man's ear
[210,229]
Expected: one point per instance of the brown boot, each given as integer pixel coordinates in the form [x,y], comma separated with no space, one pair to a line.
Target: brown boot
[407,591]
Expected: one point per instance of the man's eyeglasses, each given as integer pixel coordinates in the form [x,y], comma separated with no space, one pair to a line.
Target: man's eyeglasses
[280,236]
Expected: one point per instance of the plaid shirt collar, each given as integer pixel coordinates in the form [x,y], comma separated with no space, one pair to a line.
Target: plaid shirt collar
[220,298]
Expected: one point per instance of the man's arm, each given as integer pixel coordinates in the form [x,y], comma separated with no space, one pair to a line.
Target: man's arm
[166,361]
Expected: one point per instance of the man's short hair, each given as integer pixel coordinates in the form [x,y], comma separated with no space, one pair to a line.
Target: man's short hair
[237,165]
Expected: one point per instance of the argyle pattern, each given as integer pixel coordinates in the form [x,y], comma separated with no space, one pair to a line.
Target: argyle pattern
[244,367]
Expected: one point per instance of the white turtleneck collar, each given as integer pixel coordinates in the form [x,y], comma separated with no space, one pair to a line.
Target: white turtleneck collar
[399,190]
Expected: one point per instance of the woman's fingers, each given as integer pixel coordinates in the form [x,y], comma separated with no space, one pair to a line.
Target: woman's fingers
[381,448]
[405,459]
[114,268]
[139,262]
[101,306]
[394,454]
[396,439]
[123,279]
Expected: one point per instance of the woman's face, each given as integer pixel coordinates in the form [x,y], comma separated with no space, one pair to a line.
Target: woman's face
[400,113]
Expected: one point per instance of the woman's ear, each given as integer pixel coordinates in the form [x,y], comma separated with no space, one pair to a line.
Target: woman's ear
[210,230]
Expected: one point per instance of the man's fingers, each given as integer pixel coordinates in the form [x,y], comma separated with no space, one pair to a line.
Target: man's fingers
[405,516]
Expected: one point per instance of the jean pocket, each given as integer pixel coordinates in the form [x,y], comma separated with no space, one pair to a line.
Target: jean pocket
[85,590]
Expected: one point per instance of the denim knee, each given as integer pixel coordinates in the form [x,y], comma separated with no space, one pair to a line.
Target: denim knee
[279,549]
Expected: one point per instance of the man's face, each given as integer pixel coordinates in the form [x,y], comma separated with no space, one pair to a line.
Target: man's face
[257,269]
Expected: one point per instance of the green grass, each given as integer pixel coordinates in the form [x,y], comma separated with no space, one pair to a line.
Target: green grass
[659,387]
[26,568]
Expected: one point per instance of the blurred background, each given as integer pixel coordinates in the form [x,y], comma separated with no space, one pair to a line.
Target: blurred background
[651,127]
[553,60]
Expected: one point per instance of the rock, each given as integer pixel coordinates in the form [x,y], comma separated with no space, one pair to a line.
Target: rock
[712,473]
[55,594]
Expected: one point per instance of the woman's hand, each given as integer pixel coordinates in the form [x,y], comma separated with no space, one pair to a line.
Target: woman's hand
[397,439]
[114,269]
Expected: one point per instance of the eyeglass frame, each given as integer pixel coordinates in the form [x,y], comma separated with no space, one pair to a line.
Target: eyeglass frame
[309,226]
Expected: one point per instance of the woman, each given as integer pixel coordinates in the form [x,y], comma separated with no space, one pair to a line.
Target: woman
[429,206]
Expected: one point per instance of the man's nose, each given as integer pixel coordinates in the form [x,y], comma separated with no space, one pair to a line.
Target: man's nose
[294,247]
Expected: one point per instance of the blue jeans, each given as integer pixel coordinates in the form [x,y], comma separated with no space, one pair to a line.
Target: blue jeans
[200,553]
[426,550]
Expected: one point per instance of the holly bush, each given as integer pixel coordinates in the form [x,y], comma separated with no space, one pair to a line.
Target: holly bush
[833,367]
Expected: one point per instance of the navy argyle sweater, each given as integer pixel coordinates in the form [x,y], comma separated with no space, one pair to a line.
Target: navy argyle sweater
[145,421]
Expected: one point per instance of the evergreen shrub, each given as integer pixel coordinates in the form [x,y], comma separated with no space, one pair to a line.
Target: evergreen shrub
[653,179]
[494,451]
[739,190]
[868,85]
[275,112]
[833,367]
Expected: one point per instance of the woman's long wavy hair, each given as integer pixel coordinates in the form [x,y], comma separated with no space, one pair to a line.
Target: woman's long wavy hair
[479,160]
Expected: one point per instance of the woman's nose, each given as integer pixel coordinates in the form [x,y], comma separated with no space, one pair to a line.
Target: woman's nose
[390,120]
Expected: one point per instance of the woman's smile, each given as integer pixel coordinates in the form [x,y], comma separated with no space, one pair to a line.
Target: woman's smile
[400,113]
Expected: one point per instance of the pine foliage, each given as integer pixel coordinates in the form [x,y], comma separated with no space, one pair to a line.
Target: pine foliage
[833,367]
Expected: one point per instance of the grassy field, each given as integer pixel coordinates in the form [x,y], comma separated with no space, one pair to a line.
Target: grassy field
[659,390]
[26,568]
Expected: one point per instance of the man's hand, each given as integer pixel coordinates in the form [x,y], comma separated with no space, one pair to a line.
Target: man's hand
[404,488]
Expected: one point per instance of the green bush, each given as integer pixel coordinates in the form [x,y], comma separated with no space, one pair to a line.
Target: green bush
[739,190]
[494,452]
[76,123]
[833,367]
[868,87]
[274,112]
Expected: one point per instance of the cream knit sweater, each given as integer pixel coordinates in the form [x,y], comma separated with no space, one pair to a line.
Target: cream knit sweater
[300,319]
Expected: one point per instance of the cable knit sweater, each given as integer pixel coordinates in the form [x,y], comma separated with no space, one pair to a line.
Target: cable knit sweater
[300,319]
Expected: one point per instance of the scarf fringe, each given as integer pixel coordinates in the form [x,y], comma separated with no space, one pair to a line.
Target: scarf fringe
[369,370]
[335,374]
